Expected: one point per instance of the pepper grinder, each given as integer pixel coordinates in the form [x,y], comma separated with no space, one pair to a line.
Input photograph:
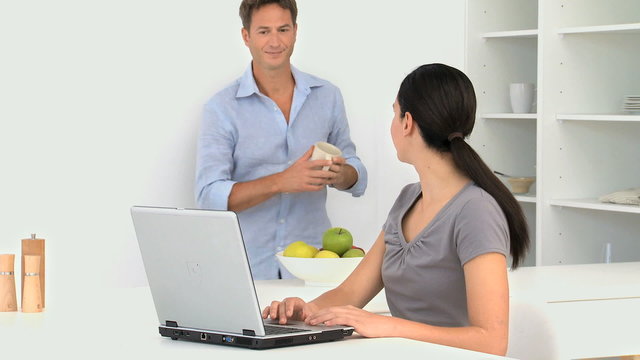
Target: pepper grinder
[34,246]
[8,300]
[31,295]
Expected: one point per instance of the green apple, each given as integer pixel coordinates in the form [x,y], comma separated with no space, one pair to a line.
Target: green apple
[326,254]
[300,249]
[351,253]
[337,239]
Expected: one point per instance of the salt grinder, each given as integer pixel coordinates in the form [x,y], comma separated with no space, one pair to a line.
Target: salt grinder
[8,300]
[34,246]
[31,294]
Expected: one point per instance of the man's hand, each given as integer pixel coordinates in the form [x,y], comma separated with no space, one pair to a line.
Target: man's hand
[303,175]
[345,175]
[306,175]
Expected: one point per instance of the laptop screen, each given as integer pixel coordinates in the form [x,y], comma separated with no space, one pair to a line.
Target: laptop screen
[197,268]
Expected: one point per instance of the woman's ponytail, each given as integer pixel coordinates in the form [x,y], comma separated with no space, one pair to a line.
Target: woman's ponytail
[442,101]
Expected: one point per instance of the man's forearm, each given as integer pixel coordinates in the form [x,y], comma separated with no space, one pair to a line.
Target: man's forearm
[245,195]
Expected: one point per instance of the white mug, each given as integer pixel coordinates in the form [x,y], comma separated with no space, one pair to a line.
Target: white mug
[521,95]
[324,151]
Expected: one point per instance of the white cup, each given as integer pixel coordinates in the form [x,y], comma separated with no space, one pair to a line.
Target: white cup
[521,95]
[324,151]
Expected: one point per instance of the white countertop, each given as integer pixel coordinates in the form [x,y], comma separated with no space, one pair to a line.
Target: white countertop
[557,312]
[574,311]
[122,323]
[576,282]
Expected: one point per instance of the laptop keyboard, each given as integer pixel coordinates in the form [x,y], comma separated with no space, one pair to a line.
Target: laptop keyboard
[277,330]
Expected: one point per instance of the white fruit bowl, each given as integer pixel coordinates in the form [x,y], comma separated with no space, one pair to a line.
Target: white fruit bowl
[319,272]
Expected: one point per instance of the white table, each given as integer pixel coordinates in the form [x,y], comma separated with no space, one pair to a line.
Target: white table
[557,312]
[123,324]
[575,311]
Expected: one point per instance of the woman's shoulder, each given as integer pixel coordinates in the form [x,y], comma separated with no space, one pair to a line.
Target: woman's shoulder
[413,188]
[475,200]
[409,192]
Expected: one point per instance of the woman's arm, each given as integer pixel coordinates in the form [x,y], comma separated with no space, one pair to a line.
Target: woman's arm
[487,304]
[356,290]
[362,285]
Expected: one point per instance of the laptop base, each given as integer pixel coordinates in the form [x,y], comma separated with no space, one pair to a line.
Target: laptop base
[253,342]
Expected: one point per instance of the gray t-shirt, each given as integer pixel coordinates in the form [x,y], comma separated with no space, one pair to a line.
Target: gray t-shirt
[423,278]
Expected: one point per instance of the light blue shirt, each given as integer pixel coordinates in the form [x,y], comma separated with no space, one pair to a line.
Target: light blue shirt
[244,136]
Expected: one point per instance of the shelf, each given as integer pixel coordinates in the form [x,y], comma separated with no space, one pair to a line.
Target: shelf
[598,117]
[594,204]
[511,34]
[526,198]
[620,28]
[509,116]
[585,57]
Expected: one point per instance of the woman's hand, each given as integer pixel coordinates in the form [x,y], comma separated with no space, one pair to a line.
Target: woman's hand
[292,308]
[365,323]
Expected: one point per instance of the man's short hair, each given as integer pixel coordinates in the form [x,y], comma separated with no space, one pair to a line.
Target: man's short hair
[247,7]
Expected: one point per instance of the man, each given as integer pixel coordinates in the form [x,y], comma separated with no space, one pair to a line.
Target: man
[257,137]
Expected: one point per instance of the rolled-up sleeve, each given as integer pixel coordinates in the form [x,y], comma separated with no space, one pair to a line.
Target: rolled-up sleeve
[214,164]
[340,136]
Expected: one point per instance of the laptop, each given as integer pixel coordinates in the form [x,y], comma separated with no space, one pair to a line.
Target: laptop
[201,283]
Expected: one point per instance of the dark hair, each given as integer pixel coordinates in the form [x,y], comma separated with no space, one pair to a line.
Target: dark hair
[442,102]
[247,7]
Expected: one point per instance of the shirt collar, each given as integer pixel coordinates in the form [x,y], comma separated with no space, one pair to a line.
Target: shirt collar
[249,87]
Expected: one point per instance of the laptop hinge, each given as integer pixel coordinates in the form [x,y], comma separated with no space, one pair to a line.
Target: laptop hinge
[248,332]
[171,323]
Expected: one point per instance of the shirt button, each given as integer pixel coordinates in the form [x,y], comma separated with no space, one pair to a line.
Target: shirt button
[281,221]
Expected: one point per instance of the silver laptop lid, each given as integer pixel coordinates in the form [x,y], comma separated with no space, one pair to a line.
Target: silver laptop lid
[197,268]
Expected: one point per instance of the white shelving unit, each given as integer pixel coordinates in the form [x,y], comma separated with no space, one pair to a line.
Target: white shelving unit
[526,198]
[598,117]
[511,34]
[583,57]
[510,116]
[619,28]
[594,204]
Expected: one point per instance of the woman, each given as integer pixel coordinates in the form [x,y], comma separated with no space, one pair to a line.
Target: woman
[442,253]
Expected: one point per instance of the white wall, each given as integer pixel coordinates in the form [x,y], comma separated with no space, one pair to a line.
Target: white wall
[100,107]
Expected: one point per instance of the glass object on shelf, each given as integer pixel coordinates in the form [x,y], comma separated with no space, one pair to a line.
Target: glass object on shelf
[607,253]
